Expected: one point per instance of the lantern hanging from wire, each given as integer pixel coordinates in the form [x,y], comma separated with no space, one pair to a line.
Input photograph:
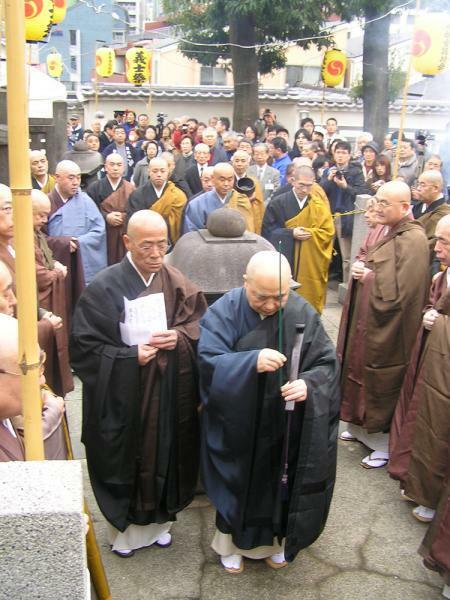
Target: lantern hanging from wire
[105,62]
[54,64]
[333,67]
[59,10]
[431,44]
[138,65]
[38,19]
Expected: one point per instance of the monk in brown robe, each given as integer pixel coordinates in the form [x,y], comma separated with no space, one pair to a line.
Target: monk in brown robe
[50,334]
[434,206]
[142,443]
[421,424]
[385,314]
[40,178]
[162,196]
[111,196]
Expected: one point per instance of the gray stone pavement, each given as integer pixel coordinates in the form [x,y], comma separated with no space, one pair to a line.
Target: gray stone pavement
[367,551]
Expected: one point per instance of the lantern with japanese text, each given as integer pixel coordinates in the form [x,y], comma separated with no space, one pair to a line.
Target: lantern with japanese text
[54,64]
[105,62]
[38,19]
[431,43]
[137,65]
[333,67]
[59,10]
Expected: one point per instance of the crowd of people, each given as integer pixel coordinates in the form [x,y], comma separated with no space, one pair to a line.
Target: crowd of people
[119,200]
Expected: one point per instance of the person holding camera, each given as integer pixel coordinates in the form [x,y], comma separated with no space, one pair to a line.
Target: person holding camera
[342,183]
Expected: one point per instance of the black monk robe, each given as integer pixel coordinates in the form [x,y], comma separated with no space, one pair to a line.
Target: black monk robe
[244,424]
[140,424]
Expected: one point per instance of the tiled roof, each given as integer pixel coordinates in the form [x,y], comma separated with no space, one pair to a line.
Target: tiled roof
[303,96]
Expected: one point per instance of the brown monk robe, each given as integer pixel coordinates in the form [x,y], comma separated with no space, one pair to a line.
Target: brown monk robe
[111,196]
[421,424]
[435,548]
[386,309]
[52,341]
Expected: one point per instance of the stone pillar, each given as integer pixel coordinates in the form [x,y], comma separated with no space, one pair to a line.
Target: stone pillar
[358,235]
[42,539]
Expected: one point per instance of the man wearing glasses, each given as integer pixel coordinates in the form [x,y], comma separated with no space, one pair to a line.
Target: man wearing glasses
[140,421]
[377,333]
[301,220]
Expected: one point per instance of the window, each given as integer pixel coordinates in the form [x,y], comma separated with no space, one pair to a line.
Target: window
[73,63]
[118,36]
[73,37]
[212,76]
[296,75]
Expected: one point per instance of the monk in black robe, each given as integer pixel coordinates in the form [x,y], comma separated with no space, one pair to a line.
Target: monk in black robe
[140,418]
[265,507]
[111,196]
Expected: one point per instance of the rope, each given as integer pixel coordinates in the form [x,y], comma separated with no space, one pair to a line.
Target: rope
[337,215]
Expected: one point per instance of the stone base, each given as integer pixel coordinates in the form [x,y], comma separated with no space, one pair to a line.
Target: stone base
[42,539]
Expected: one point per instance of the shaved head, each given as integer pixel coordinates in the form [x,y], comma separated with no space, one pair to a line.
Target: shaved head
[146,241]
[397,189]
[264,290]
[442,235]
[266,264]
[67,166]
[145,220]
[39,200]
[10,397]
[302,161]
[5,193]
[393,202]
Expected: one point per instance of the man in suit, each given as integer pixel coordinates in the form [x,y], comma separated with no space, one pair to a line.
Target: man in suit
[194,173]
[218,154]
[268,177]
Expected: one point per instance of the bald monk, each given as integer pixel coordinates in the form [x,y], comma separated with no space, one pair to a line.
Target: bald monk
[389,290]
[421,425]
[11,446]
[223,195]
[142,444]
[51,337]
[7,297]
[433,207]
[40,178]
[245,382]
[301,220]
[160,195]
[111,195]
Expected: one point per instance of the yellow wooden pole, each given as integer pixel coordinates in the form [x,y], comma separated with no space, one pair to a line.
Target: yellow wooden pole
[404,105]
[20,181]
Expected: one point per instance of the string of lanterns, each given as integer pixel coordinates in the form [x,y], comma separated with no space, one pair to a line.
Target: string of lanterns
[40,16]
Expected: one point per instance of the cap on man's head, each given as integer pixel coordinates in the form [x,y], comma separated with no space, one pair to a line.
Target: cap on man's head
[74,117]
[372,145]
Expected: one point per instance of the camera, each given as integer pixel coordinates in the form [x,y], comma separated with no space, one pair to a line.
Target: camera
[184,128]
[160,118]
[339,175]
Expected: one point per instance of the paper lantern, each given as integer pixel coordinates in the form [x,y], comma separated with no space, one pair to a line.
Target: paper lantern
[431,43]
[54,64]
[333,67]
[105,62]
[137,65]
[38,19]
[59,10]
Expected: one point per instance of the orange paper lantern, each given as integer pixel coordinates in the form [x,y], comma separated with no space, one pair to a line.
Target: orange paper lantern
[431,43]
[59,11]
[137,65]
[105,62]
[54,64]
[333,67]
[38,19]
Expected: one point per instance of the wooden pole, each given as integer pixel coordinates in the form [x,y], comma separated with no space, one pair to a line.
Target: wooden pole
[20,181]
[404,104]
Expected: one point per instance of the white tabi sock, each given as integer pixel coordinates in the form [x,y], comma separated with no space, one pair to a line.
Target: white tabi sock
[232,561]
[278,558]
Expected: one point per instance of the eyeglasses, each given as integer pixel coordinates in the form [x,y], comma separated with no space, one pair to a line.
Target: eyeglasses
[422,184]
[42,359]
[160,246]
[7,210]
[384,203]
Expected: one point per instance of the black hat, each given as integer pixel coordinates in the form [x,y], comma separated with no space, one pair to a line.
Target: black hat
[372,145]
